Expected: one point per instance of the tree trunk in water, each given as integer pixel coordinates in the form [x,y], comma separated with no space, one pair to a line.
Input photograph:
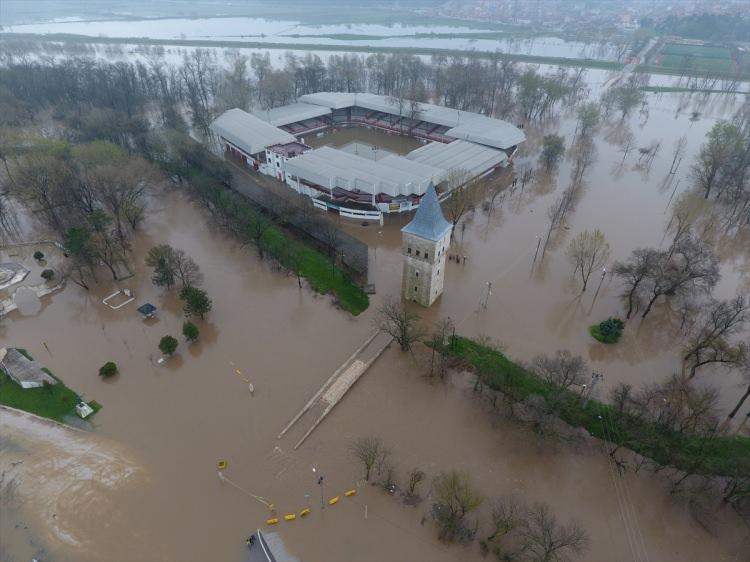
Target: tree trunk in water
[650,304]
[740,403]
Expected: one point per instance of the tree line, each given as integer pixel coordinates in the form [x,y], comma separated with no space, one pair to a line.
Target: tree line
[510,529]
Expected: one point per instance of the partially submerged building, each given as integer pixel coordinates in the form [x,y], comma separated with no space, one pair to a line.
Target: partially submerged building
[273,142]
[24,371]
[424,243]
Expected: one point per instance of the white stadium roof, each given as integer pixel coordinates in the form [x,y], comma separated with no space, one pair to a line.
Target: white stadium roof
[463,125]
[293,113]
[247,132]
[474,158]
[392,175]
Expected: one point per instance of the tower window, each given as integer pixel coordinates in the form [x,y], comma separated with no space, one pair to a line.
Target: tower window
[426,255]
[408,250]
[417,253]
[415,289]
[416,274]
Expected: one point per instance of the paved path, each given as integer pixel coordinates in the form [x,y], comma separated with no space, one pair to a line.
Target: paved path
[338,384]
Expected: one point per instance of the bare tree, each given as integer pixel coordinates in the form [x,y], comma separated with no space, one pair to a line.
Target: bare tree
[395,319]
[461,196]
[507,514]
[548,540]
[588,251]
[416,476]
[186,270]
[746,379]
[690,267]
[633,273]
[439,341]
[369,451]
[563,369]
[710,342]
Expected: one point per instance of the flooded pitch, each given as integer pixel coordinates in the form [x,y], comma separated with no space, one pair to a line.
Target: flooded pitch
[167,425]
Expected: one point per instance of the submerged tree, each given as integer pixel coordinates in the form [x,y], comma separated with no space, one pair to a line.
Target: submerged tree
[395,319]
[710,339]
[716,156]
[369,451]
[196,301]
[553,148]
[548,540]
[588,251]
[168,345]
[456,497]
[633,273]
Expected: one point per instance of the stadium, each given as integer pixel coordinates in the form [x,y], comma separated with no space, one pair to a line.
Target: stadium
[363,155]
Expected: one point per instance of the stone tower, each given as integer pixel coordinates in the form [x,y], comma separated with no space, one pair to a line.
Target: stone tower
[424,244]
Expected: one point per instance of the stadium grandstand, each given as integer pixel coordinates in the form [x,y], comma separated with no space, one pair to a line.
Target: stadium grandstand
[273,142]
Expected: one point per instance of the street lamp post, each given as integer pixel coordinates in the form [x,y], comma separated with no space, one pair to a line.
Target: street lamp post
[320,483]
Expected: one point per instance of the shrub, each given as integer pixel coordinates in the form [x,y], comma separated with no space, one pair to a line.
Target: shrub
[190,331]
[167,345]
[608,331]
[107,370]
[38,255]
[47,274]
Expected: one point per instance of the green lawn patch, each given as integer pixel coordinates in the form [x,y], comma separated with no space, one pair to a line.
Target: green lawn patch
[699,64]
[50,401]
[722,455]
[696,51]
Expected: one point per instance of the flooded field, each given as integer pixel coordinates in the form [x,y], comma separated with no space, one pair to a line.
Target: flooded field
[293,32]
[365,141]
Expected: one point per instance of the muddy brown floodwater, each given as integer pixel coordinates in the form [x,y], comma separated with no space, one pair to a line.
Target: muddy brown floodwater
[174,421]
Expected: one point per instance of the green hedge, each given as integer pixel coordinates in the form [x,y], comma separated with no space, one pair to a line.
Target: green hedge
[721,455]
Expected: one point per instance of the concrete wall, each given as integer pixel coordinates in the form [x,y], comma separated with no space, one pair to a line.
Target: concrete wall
[423,277]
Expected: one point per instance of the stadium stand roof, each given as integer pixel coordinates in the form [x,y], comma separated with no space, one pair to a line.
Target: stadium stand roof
[391,175]
[429,221]
[463,125]
[474,158]
[248,132]
[292,113]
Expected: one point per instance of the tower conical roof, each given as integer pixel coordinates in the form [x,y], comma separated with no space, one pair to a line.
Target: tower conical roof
[429,221]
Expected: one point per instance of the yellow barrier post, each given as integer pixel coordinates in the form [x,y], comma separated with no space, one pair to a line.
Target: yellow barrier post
[290,517]
[350,493]
[304,512]
[333,501]
[272,521]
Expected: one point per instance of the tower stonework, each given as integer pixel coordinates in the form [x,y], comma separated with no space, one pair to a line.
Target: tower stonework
[424,244]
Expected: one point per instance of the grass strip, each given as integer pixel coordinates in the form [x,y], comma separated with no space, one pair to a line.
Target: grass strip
[720,455]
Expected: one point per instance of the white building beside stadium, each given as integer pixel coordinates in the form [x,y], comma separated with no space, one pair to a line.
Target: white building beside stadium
[273,142]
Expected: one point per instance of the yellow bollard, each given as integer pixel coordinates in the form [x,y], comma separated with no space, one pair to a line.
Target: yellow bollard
[272,521]
[350,493]
[221,465]
[304,512]
[290,517]
[333,501]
